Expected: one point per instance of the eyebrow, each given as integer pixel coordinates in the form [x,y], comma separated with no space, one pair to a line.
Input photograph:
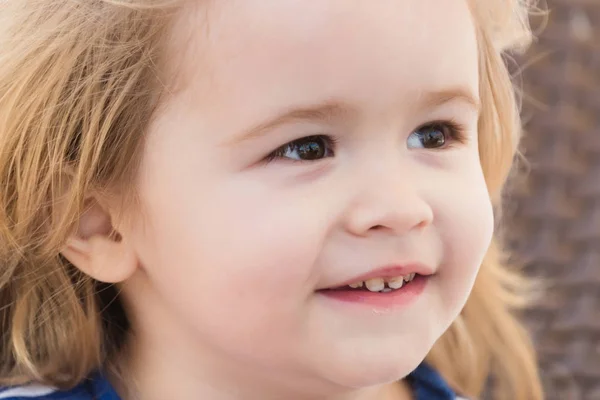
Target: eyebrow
[321,112]
[439,98]
[333,110]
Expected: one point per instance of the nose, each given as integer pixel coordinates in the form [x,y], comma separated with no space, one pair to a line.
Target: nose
[389,202]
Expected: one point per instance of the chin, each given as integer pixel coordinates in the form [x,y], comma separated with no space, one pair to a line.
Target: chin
[358,371]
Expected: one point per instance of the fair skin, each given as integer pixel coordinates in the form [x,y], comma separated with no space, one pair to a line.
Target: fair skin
[222,268]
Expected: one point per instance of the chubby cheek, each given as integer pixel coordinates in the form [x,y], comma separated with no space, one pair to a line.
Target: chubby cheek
[467,229]
[236,260]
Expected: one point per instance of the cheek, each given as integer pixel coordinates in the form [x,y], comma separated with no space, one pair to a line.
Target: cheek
[466,228]
[235,254]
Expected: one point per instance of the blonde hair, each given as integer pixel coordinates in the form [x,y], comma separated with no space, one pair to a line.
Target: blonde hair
[79,83]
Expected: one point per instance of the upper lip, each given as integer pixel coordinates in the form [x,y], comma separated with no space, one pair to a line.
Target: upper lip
[389,271]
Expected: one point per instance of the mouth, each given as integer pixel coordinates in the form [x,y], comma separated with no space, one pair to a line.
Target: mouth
[383,293]
[381,285]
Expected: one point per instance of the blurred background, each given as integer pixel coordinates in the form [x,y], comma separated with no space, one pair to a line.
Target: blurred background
[553,215]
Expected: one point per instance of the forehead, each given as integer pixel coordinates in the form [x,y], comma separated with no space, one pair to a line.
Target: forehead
[343,48]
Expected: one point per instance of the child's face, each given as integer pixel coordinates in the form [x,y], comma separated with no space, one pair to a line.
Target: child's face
[235,245]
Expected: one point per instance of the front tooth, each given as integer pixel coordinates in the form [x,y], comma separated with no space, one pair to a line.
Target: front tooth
[356,285]
[396,282]
[375,285]
[409,277]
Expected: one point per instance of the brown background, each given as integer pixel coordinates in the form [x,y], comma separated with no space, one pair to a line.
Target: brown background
[553,221]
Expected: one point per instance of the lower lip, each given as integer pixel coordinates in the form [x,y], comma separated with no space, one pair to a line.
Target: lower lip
[396,298]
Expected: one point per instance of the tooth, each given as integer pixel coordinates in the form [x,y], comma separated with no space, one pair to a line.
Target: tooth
[409,277]
[412,276]
[386,290]
[396,282]
[375,285]
[356,285]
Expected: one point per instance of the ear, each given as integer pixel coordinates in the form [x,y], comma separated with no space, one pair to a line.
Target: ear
[97,249]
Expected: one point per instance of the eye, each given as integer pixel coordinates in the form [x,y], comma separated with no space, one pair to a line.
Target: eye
[310,148]
[436,135]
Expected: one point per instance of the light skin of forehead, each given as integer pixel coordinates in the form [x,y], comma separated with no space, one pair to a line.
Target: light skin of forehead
[234,46]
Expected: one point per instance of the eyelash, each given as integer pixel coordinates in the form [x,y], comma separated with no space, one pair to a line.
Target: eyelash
[329,141]
[456,133]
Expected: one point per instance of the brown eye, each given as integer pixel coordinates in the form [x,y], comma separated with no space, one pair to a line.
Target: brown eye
[434,136]
[310,148]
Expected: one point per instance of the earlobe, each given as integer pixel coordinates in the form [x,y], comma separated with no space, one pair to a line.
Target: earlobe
[102,258]
[98,250]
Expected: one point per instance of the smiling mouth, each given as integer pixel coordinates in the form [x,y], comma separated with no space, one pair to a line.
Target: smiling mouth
[379,293]
[379,285]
